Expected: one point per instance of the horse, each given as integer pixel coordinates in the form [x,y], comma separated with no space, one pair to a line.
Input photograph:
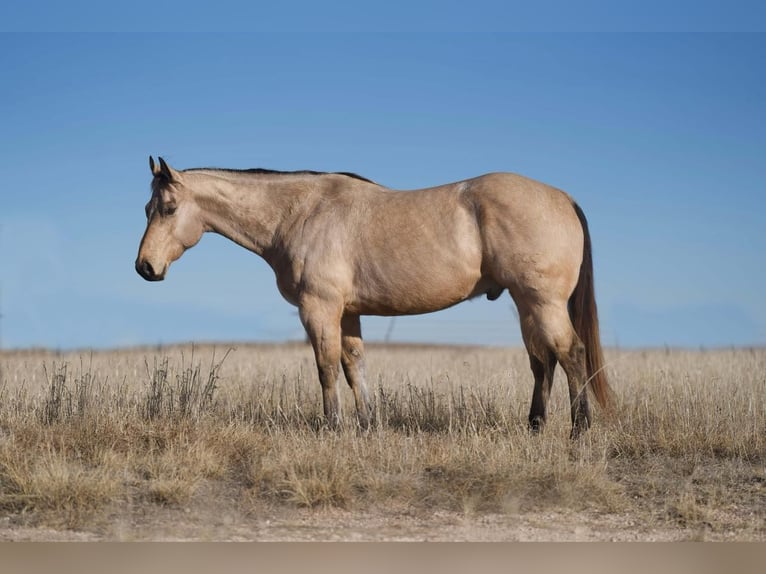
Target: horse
[342,246]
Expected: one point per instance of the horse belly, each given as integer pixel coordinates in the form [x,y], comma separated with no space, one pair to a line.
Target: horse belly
[412,285]
[421,253]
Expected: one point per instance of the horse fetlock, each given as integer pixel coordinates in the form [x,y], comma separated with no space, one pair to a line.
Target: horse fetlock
[363,419]
[580,418]
[579,429]
[332,413]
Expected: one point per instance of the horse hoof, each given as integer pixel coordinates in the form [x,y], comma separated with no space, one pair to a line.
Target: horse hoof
[536,425]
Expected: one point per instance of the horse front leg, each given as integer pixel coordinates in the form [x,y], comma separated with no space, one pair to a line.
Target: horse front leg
[322,323]
[352,359]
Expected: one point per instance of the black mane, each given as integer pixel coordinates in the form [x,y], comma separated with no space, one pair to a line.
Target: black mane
[259,170]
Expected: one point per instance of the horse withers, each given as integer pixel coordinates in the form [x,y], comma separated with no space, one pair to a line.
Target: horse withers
[342,246]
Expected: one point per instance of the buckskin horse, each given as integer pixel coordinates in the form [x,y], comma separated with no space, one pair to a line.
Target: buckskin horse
[342,246]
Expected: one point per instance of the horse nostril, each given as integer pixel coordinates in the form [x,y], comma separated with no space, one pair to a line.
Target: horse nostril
[148,269]
[145,269]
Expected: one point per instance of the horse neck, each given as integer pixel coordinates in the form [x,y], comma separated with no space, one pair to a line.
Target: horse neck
[246,209]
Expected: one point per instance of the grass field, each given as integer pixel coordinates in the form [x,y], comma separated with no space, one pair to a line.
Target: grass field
[215,444]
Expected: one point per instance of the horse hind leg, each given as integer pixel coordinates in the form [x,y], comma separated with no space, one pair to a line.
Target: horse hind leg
[553,329]
[573,363]
[543,372]
[542,361]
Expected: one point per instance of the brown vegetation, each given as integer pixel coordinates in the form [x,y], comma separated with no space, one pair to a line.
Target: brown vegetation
[191,443]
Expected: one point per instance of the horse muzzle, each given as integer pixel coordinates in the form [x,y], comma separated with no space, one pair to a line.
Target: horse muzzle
[145,270]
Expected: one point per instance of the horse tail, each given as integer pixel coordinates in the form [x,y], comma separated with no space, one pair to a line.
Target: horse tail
[584,315]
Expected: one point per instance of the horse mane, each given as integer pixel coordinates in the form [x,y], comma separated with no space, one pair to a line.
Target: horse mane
[261,171]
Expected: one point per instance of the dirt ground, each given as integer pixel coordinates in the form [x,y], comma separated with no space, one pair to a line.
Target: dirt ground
[298,525]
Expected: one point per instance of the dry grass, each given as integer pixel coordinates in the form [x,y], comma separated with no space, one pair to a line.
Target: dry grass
[88,441]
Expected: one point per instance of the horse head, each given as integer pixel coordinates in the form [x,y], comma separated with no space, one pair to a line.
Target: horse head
[173,222]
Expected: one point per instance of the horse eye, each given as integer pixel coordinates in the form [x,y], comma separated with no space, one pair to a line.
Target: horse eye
[170,210]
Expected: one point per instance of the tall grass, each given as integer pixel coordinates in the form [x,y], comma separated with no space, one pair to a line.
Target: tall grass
[86,439]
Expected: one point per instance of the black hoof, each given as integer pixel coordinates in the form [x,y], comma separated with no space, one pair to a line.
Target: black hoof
[536,424]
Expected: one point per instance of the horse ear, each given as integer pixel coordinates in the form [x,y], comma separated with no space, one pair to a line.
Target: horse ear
[155,169]
[166,171]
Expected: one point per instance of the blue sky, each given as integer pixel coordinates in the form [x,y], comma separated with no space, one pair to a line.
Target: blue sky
[660,137]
